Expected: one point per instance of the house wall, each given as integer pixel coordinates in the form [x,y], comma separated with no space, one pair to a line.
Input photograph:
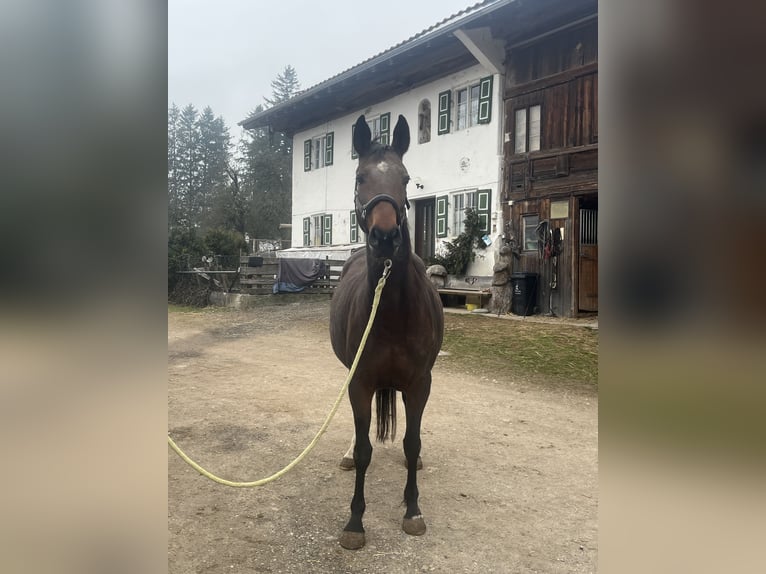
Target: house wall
[467,159]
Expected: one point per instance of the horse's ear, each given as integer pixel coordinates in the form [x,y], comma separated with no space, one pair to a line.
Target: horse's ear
[362,136]
[401,141]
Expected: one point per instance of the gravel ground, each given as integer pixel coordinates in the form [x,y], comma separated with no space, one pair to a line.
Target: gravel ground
[510,467]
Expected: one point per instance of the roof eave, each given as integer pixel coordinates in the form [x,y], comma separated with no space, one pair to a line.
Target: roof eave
[260,119]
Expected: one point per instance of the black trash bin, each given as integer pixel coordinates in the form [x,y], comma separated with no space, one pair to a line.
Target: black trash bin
[523,298]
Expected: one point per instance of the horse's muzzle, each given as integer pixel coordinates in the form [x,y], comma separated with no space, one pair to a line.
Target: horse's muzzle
[385,243]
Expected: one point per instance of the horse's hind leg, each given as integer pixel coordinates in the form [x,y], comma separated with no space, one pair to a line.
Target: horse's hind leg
[413,522]
[347,462]
[353,534]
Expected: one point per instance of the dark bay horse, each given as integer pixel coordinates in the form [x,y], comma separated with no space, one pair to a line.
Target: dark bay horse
[408,329]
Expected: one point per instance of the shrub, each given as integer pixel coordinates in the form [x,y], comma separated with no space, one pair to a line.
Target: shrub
[460,252]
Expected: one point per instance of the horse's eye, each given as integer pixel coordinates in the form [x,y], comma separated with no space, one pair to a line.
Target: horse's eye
[360,179]
[406,179]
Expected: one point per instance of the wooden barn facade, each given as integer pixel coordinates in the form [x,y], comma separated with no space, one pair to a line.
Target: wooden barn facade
[550,150]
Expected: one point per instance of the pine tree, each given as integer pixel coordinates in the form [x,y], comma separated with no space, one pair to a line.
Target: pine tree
[173,198]
[284,87]
[187,169]
[266,166]
[214,143]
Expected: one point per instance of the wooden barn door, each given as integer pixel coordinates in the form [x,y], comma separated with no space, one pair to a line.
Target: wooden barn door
[588,264]
[425,224]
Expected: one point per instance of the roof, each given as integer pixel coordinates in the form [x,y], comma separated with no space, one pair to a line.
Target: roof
[422,58]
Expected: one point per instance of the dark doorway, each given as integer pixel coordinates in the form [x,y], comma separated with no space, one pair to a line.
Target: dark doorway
[425,225]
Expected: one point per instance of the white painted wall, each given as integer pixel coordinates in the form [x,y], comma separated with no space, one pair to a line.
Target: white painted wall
[460,160]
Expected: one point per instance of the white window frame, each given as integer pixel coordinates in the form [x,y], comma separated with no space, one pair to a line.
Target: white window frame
[318,151]
[459,202]
[471,94]
[316,229]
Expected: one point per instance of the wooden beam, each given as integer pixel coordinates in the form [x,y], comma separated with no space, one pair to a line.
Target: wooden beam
[489,52]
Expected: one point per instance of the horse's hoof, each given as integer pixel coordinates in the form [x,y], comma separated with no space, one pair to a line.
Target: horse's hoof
[353,540]
[419,467]
[347,463]
[414,526]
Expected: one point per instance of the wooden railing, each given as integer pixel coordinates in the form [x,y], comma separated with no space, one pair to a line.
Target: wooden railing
[260,279]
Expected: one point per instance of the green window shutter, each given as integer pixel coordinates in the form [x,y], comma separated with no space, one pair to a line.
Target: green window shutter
[445,103]
[485,100]
[354,233]
[441,216]
[307,155]
[484,208]
[328,154]
[385,126]
[327,230]
[306,231]
[354,155]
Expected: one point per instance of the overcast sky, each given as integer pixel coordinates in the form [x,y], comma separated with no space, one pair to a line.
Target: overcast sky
[225,53]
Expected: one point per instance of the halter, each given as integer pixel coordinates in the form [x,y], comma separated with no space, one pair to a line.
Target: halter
[363,209]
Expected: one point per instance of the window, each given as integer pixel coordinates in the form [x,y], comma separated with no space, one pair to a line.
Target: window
[317,230]
[529,231]
[461,202]
[354,235]
[473,106]
[424,122]
[318,151]
[527,130]
[379,126]
[450,211]
[467,107]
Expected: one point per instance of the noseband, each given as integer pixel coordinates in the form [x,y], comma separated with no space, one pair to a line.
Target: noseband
[364,209]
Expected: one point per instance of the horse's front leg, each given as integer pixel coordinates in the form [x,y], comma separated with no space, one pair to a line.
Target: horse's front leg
[413,522]
[353,534]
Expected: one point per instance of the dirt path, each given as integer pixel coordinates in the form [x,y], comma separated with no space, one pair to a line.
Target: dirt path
[509,484]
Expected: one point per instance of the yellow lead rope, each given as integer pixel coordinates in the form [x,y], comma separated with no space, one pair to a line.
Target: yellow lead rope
[315,440]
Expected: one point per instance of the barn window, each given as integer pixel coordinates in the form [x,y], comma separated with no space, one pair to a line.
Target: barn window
[424,122]
[529,231]
[527,129]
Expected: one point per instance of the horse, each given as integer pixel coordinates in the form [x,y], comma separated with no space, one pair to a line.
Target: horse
[409,326]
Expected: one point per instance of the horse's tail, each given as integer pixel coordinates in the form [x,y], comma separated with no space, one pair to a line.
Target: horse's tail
[385,403]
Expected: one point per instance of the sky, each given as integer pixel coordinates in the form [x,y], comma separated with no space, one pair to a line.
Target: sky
[225,53]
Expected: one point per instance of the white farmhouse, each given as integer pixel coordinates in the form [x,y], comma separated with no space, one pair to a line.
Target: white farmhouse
[502,103]
[447,82]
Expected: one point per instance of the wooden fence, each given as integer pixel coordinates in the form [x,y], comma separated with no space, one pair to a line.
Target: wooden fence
[260,279]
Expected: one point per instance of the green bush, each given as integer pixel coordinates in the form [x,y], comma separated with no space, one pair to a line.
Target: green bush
[185,250]
[225,246]
[460,252]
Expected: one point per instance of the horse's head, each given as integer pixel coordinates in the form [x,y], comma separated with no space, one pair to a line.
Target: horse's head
[380,196]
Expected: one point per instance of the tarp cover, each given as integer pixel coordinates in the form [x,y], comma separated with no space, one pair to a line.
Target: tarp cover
[293,275]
